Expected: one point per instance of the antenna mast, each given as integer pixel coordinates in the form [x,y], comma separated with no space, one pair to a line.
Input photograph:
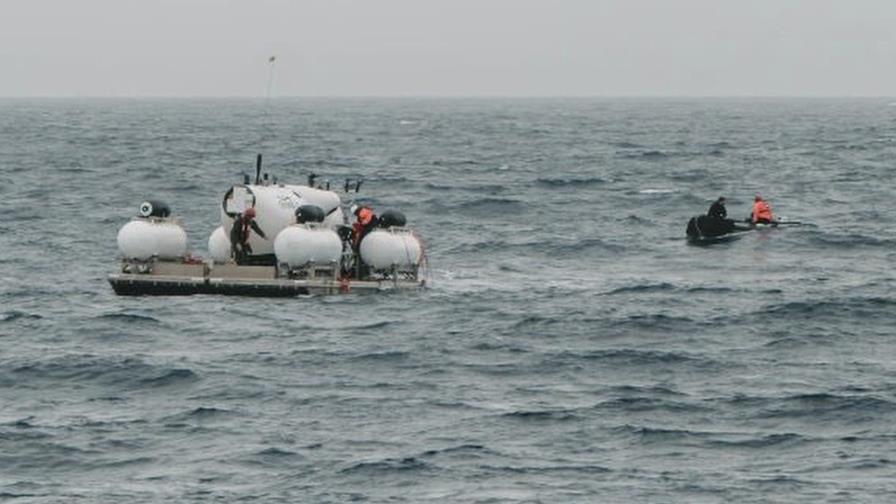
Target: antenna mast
[266,123]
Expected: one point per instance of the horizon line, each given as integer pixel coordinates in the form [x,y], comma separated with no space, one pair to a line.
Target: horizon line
[452,96]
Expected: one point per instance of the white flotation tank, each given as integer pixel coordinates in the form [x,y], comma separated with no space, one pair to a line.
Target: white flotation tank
[300,244]
[275,208]
[219,246]
[385,248]
[144,238]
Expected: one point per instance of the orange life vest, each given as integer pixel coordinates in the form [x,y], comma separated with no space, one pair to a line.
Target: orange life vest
[365,215]
[761,211]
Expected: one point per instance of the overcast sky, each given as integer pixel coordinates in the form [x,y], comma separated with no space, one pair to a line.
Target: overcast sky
[448,47]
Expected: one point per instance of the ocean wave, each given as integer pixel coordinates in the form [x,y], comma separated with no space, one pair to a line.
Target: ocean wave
[587,469]
[172,377]
[641,289]
[815,406]
[129,372]
[489,206]
[586,244]
[658,434]
[490,189]
[464,449]
[649,155]
[455,162]
[14,315]
[542,415]
[201,413]
[786,439]
[626,145]
[388,465]
[131,317]
[562,249]
[274,457]
[22,430]
[870,463]
[629,390]
[850,241]
[276,452]
[577,183]
[629,356]
[510,347]
[654,322]
[641,404]
[46,455]
[649,288]
[859,307]
[384,356]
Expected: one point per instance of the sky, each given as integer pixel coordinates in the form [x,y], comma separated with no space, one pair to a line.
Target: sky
[448,47]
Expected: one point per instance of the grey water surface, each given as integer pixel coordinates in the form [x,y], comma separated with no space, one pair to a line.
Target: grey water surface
[572,347]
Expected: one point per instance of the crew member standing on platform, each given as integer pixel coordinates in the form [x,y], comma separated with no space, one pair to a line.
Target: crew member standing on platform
[239,235]
[365,221]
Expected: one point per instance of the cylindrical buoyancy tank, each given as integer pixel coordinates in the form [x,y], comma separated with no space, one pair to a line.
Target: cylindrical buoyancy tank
[144,238]
[300,244]
[385,248]
[275,208]
[219,246]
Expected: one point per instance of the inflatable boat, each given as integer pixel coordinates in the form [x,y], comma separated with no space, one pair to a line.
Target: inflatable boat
[309,243]
[705,230]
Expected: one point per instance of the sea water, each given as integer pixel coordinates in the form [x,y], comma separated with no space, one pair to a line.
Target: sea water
[572,346]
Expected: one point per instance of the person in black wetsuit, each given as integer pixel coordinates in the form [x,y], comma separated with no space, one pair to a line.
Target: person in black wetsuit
[718,210]
[239,235]
[716,221]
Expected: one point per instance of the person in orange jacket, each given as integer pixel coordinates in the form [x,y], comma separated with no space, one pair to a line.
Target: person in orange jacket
[365,221]
[762,213]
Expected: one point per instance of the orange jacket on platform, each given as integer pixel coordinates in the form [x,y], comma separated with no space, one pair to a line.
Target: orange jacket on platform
[761,211]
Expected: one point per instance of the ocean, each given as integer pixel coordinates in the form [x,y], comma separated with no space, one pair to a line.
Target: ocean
[571,347]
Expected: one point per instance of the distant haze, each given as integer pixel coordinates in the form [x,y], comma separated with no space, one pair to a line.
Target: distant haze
[448,47]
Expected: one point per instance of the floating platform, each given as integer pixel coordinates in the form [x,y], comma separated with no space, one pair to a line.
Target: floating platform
[177,279]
